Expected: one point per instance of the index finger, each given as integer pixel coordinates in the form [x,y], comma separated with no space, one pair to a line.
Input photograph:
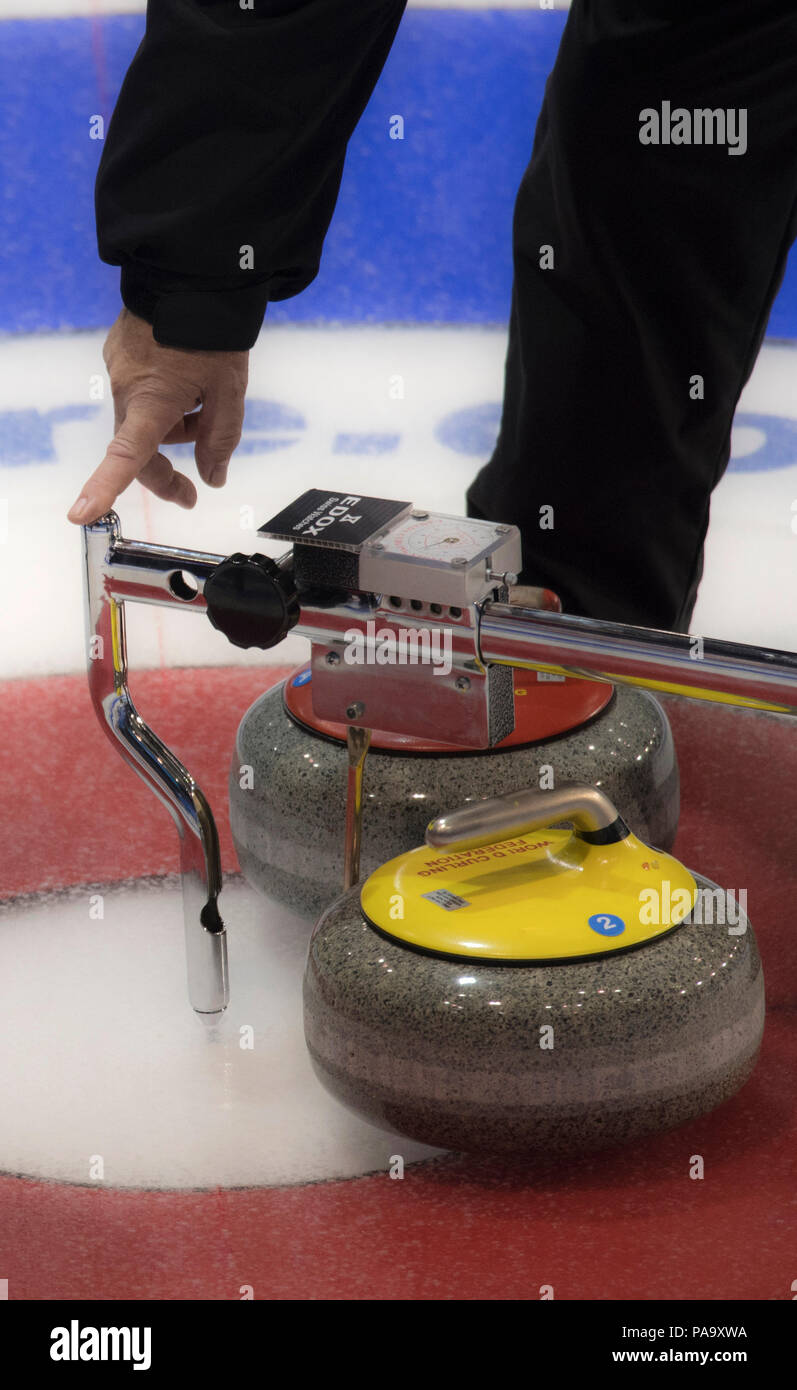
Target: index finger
[144,427]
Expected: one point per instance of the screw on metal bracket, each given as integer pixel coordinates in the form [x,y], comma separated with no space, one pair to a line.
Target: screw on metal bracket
[462,683]
[508,577]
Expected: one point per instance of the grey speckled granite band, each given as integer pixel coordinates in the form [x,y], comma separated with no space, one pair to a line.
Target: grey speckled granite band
[288,826]
[448,1052]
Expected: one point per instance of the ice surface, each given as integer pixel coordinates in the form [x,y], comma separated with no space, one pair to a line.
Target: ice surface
[103,1056]
[323,414]
[101,1051]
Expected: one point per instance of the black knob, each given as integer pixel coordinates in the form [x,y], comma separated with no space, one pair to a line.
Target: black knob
[252,600]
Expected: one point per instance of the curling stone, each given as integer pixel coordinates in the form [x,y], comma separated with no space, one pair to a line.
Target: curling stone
[553,992]
[287,813]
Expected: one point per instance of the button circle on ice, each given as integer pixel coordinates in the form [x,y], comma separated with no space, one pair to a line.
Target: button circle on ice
[606,924]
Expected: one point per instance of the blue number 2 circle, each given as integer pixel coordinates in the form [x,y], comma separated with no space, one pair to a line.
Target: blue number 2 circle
[605,924]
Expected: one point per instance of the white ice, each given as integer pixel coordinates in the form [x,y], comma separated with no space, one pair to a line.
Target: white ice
[104,1058]
[102,1053]
[340,381]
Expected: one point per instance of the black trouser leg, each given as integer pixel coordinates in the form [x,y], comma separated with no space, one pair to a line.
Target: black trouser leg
[627,357]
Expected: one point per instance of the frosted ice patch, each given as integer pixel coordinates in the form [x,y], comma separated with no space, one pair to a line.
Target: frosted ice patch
[103,1058]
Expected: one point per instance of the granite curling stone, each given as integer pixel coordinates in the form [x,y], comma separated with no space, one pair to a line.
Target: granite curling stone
[552,993]
[289,771]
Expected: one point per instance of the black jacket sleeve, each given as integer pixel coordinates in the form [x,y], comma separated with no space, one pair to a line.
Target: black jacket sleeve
[230,132]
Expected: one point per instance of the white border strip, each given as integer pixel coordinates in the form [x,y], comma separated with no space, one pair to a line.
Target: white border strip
[54,9]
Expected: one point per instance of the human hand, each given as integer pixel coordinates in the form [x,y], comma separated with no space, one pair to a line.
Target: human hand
[156,391]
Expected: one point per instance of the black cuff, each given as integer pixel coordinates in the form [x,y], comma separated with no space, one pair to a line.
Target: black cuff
[227,320]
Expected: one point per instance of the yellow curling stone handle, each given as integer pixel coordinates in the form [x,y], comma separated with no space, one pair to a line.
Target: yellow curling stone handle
[496,881]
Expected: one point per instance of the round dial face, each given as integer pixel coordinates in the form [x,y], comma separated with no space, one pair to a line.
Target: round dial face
[440,536]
